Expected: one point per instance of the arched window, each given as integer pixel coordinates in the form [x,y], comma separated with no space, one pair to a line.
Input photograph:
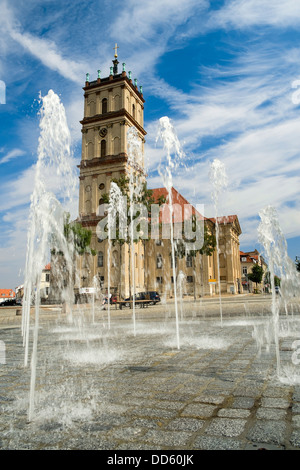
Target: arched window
[104,106]
[116,103]
[92,108]
[159,262]
[133,111]
[100,259]
[115,257]
[88,207]
[117,147]
[103,148]
[90,150]
[189,261]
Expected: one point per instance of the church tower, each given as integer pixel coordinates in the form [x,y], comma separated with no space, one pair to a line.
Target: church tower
[112,105]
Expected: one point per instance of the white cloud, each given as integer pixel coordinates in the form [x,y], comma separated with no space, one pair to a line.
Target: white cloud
[46,51]
[11,155]
[140,22]
[248,13]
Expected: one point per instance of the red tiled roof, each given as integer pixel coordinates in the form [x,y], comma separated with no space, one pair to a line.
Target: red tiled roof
[177,199]
[47,267]
[225,219]
[7,293]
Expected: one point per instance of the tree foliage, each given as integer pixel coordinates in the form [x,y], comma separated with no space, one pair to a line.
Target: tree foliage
[257,274]
[77,236]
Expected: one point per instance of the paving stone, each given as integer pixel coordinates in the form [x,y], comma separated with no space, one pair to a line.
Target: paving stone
[226,427]
[167,438]
[216,443]
[271,413]
[198,410]
[296,421]
[185,424]
[274,403]
[295,439]
[233,413]
[148,396]
[243,402]
[273,432]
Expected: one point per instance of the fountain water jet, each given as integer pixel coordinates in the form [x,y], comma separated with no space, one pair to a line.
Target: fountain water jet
[54,185]
[275,246]
[181,280]
[134,155]
[117,206]
[218,178]
[171,143]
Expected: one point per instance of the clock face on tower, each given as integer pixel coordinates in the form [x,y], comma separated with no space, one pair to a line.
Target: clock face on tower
[103,132]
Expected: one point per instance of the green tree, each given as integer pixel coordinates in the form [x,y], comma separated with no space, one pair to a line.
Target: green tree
[297,262]
[79,236]
[77,240]
[256,275]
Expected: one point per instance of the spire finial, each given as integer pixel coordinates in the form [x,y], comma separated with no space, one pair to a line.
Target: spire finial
[116,50]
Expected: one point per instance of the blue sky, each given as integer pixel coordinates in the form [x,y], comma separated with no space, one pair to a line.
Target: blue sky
[227,73]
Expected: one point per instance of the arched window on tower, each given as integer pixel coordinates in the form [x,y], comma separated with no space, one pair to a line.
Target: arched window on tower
[103,148]
[115,259]
[92,108]
[104,106]
[117,147]
[159,261]
[189,261]
[100,259]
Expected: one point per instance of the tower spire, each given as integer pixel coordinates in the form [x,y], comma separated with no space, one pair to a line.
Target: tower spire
[116,50]
[115,61]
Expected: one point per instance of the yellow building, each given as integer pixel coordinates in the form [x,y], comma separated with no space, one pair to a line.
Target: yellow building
[112,105]
[248,260]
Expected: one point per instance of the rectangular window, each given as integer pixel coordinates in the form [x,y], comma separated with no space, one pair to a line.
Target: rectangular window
[190,279]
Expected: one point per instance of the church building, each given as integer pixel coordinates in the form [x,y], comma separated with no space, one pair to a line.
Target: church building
[112,105]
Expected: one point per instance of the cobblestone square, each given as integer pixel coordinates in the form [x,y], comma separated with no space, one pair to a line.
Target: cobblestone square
[110,389]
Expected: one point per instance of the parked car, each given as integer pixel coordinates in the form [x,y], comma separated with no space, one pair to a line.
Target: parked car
[138,296]
[8,302]
[154,296]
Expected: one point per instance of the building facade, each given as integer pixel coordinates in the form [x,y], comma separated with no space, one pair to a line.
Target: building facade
[113,105]
[248,260]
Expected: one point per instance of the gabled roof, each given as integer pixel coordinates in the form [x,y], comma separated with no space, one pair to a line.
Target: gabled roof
[228,220]
[249,258]
[7,293]
[177,200]
[225,219]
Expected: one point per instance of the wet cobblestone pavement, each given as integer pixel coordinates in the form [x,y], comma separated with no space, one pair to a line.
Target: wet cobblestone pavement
[108,389]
